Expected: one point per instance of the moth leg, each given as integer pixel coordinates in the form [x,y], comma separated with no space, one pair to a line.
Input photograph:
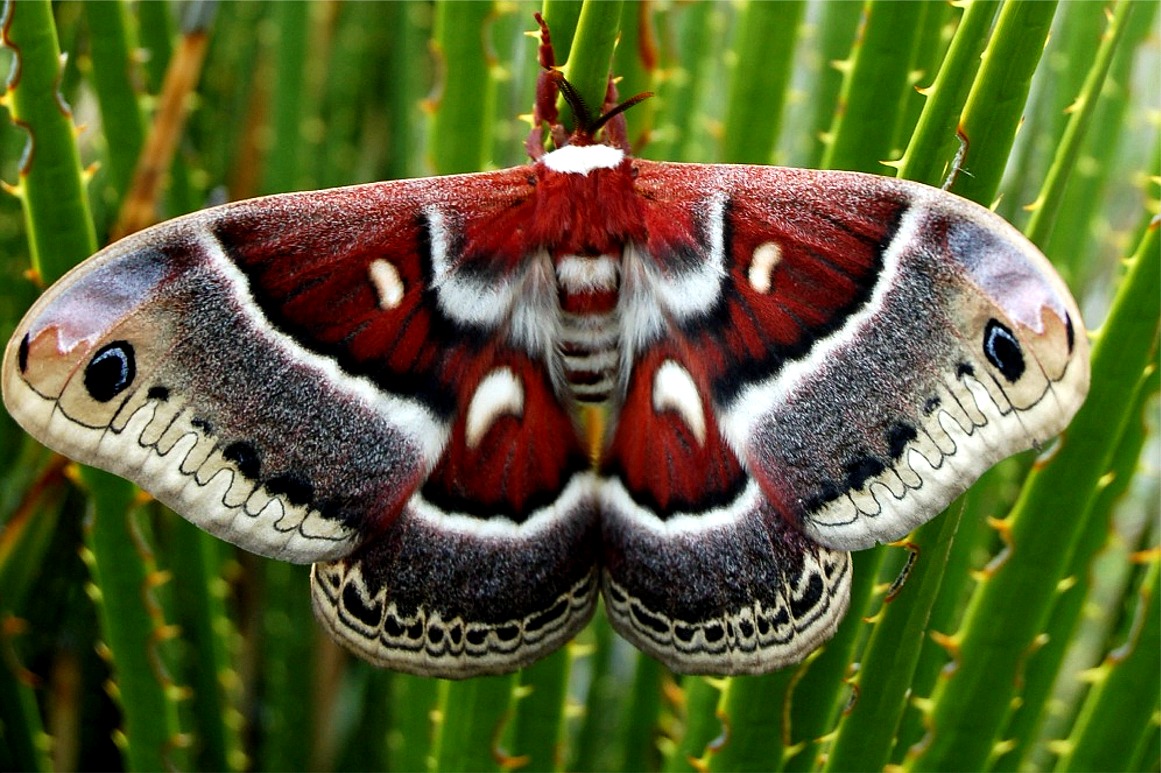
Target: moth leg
[957,162]
[547,90]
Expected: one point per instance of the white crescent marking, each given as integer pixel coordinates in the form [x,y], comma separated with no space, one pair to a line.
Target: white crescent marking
[388,284]
[498,394]
[766,257]
[741,417]
[410,418]
[673,389]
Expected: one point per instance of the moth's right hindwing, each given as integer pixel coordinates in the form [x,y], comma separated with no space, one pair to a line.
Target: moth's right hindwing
[700,570]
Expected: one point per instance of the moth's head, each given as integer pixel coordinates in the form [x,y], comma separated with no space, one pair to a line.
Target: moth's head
[598,142]
[592,128]
[607,127]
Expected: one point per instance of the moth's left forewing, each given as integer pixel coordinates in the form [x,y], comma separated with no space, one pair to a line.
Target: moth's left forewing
[56,341]
[267,368]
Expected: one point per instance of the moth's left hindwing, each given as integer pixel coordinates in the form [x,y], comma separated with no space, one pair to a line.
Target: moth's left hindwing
[326,377]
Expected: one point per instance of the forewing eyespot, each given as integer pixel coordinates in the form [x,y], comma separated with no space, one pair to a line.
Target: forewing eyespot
[111,371]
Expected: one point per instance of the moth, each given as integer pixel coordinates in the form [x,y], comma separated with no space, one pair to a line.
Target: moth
[391,381]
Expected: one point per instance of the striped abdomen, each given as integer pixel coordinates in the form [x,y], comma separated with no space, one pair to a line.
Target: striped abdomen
[590,332]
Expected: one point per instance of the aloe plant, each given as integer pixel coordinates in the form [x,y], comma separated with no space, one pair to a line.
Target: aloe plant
[1025,635]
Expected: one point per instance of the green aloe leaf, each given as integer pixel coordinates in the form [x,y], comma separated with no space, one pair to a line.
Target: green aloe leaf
[866,733]
[113,46]
[1097,742]
[471,721]
[1051,196]
[701,725]
[60,233]
[933,143]
[587,64]
[538,736]
[465,91]
[875,86]
[56,207]
[751,714]
[996,101]
[766,33]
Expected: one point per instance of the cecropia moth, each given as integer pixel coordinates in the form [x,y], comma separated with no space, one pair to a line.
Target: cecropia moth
[387,380]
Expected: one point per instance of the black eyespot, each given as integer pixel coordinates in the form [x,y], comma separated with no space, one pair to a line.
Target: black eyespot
[1070,331]
[862,468]
[1003,350]
[297,490]
[158,393]
[245,457]
[111,371]
[369,615]
[22,354]
[814,589]
[898,436]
